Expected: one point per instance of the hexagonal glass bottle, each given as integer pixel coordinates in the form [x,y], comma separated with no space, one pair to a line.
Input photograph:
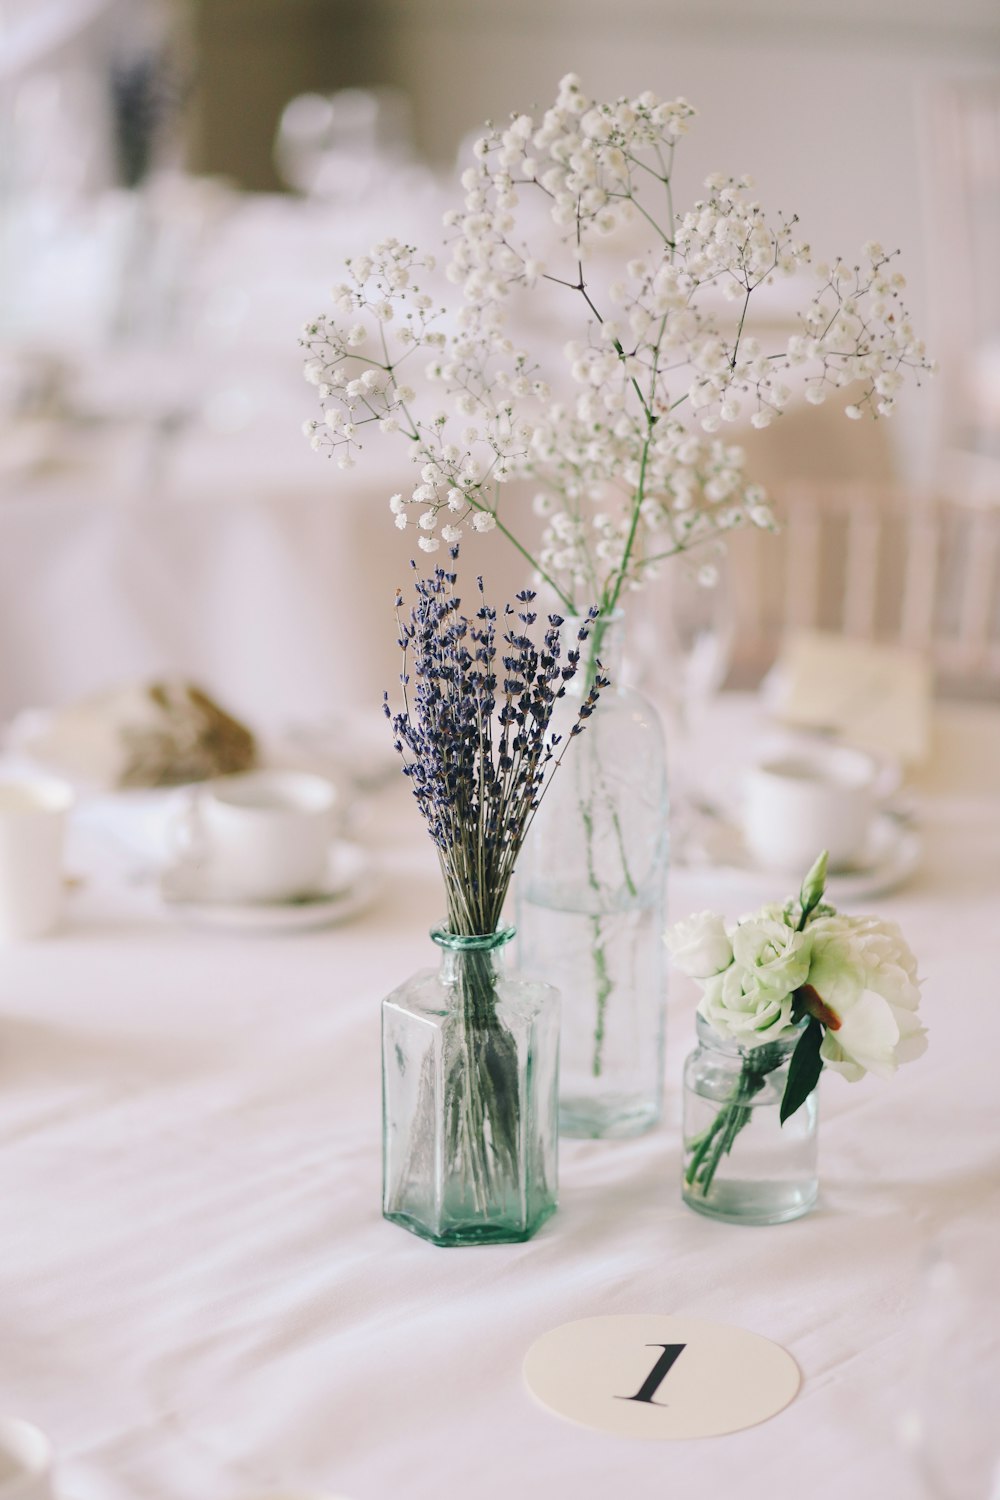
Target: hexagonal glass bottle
[470,1057]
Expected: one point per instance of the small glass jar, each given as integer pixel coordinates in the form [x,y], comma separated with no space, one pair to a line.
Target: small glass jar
[470,1067]
[740,1163]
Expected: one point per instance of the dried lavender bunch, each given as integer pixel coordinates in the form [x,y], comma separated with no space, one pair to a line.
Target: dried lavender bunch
[474,733]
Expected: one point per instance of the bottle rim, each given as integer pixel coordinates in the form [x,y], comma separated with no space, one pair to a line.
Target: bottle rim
[465,942]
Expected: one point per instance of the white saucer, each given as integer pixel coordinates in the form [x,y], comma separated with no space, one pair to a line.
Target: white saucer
[191,896]
[892,855]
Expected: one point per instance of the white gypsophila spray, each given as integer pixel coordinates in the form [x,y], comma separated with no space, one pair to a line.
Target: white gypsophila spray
[631,469]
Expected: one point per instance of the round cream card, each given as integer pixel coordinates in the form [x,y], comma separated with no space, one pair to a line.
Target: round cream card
[651,1376]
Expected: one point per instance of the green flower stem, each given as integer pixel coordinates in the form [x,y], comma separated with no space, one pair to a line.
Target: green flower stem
[484,1086]
[560,594]
[640,495]
[709,1148]
[699,1146]
[605,985]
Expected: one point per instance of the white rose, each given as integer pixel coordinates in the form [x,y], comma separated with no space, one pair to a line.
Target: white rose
[699,945]
[736,1005]
[775,953]
[865,979]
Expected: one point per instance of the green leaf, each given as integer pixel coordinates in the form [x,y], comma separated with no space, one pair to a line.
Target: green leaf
[803,1070]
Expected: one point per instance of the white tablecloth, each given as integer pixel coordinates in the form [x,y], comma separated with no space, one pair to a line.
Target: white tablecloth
[200,1300]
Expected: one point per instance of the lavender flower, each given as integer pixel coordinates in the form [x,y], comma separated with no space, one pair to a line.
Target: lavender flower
[474,732]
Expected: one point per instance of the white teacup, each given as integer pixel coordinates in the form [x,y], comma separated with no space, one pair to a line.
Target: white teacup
[806,800]
[32,840]
[260,835]
[25,1461]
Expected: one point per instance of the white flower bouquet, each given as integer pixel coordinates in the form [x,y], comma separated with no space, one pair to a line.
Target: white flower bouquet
[847,987]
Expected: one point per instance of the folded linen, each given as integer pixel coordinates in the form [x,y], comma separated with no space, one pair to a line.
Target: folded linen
[158,733]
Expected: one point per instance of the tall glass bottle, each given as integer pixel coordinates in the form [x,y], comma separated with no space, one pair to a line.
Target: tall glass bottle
[470,1058]
[591,904]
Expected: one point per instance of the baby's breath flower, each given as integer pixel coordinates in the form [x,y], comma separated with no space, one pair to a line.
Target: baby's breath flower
[657,366]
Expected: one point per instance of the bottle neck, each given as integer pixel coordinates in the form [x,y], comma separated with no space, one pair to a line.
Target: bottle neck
[460,953]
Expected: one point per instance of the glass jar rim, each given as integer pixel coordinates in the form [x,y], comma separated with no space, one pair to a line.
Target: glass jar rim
[464,942]
[729,1045]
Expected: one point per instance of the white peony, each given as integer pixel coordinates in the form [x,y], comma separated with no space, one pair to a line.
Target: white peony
[775,953]
[699,945]
[865,982]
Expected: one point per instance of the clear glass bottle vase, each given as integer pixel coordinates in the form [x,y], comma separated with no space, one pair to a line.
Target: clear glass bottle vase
[591,901]
[740,1163]
[470,1060]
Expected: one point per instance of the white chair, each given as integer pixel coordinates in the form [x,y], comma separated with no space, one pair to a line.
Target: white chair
[874,564]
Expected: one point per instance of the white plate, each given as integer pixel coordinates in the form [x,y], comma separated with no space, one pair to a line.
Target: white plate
[350,884]
[892,855]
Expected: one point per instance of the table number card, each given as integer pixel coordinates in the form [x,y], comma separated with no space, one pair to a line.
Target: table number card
[660,1377]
